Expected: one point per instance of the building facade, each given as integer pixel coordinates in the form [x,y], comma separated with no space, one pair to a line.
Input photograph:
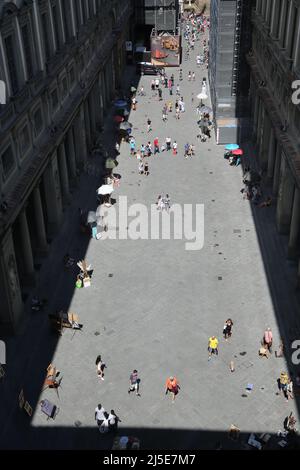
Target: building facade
[159,14]
[61,61]
[230,39]
[275,66]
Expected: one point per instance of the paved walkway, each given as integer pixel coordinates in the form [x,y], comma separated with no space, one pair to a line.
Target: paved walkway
[153,305]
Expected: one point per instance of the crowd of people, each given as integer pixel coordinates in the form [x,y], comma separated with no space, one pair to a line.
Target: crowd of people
[160,86]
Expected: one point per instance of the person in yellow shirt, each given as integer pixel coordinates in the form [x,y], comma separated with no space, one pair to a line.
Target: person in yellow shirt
[212,346]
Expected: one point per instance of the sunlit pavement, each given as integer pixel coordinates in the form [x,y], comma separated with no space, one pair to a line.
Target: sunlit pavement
[159,307]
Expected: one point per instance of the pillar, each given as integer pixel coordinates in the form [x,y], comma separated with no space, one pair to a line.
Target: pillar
[53,196]
[293,248]
[285,198]
[63,173]
[11,311]
[42,247]
[27,257]
[81,124]
[255,115]
[277,165]
[71,157]
[271,154]
[92,115]
[87,125]
[265,141]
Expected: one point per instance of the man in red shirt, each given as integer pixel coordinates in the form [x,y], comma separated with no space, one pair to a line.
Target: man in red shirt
[156,145]
[172,386]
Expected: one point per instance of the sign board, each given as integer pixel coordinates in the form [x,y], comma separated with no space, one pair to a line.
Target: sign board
[28,409]
[21,399]
[128,45]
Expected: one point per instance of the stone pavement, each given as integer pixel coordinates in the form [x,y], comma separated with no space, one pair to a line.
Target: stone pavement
[153,305]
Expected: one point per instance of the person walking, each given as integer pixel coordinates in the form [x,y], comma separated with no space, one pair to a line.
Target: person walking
[99,414]
[212,346]
[156,145]
[148,149]
[132,146]
[189,76]
[157,83]
[152,85]
[177,113]
[160,94]
[113,420]
[186,149]
[172,79]
[177,90]
[149,128]
[143,150]
[268,339]
[100,367]
[174,146]
[172,386]
[146,168]
[168,143]
[170,106]
[193,76]
[283,384]
[164,114]
[227,329]
[141,167]
[166,82]
[134,383]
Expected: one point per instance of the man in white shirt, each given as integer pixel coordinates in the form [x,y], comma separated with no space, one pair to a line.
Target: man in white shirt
[99,414]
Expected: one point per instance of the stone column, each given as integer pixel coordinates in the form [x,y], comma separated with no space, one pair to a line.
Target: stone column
[63,173]
[294,246]
[71,157]
[42,247]
[271,154]
[81,124]
[87,125]
[296,55]
[91,103]
[11,310]
[285,198]
[275,16]
[265,142]
[27,256]
[255,115]
[277,166]
[53,196]
[289,30]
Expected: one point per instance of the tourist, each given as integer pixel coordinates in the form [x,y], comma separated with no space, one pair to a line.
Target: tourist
[149,128]
[99,414]
[146,168]
[100,367]
[283,384]
[134,382]
[172,386]
[113,420]
[168,143]
[227,329]
[268,339]
[174,146]
[156,145]
[212,346]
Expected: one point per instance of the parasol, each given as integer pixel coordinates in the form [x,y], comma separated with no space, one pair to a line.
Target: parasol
[105,189]
[232,147]
[124,126]
[237,152]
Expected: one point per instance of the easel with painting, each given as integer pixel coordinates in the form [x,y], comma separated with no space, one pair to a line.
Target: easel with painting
[85,271]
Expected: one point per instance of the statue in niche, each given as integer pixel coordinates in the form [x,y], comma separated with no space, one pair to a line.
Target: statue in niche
[12,276]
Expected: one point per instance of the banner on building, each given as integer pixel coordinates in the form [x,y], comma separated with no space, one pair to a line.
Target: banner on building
[165,50]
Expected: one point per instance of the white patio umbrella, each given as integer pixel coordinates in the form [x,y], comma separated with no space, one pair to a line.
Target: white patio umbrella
[202,96]
[105,189]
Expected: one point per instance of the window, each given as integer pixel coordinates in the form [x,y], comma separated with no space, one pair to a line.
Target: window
[46,36]
[64,87]
[72,76]
[38,122]
[11,63]
[27,50]
[8,162]
[24,140]
[54,99]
